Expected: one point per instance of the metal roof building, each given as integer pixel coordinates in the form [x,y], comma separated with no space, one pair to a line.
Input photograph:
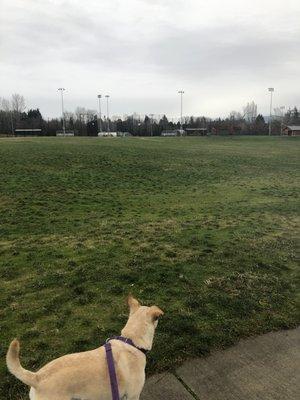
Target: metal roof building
[28,132]
[292,130]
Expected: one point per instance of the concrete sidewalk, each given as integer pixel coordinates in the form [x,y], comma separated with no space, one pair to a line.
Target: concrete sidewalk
[266,367]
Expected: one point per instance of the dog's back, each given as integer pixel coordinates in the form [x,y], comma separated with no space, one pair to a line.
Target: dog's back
[81,375]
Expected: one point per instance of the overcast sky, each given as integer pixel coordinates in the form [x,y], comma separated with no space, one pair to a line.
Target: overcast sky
[221,53]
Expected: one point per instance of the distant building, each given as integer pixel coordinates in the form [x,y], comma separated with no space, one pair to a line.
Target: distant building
[196,131]
[291,130]
[28,132]
[107,134]
[175,132]
[65,134]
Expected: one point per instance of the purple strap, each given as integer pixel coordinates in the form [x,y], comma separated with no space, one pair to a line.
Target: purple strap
[129,341]
[112,372]
[111,364]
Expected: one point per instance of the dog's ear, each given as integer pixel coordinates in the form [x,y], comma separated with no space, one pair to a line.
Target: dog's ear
[133,304]
[155,312]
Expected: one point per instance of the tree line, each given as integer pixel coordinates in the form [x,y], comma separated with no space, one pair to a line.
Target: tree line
[85,122]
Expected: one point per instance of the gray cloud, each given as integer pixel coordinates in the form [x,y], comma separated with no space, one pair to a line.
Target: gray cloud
[225,51]
[142,52]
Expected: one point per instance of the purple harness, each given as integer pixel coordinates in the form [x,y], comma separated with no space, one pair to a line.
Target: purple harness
[111,364]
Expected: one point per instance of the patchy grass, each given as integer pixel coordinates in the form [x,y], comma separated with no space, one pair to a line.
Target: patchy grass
[205,228]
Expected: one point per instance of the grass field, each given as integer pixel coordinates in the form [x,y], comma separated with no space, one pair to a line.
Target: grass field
[205,228]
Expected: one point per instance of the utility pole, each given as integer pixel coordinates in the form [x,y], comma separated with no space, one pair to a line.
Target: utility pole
[81,125]
[132,124]
[99,100]
[282,108]
[181,94]
[271,90]
[107,113]
[12,122]
[62,109]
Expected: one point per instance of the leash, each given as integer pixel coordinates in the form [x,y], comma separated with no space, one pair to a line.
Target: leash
[112,372]
[111,365]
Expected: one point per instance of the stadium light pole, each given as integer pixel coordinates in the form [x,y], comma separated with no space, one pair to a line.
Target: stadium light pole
[107,113]
[181,95]
[99,101]
[62,109]
[271,90]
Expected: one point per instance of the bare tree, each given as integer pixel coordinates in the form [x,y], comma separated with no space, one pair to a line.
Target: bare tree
[18,103]
[79,113]
[236,115]
[68,115]
[90,114]
[5,104]
[279,112]
[250,112]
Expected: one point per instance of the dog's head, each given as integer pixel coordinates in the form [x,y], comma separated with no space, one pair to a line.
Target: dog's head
[141,323]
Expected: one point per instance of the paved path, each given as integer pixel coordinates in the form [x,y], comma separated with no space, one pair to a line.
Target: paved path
[263,368]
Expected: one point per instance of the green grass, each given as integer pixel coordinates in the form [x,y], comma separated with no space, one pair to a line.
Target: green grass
[205,228]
